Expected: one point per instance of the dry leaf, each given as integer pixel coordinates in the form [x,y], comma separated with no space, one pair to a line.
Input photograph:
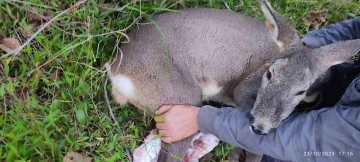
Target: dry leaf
[317,19]
[28,31]
[22,93]
[76,157]
[1,70]
[11,79]
[2,16]
[35,17]
[54,75]
[9,44]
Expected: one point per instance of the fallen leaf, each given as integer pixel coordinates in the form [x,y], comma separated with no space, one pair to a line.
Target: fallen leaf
[54,75]
[317,19]
[2,16]
[9,44]
[22,93]
[11,79]
[1,70]
[35,17]
[76,157]
[28,31]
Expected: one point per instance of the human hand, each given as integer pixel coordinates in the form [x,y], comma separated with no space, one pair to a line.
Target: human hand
[176,122]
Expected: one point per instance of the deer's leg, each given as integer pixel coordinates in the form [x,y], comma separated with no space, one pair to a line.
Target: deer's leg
[206,158]
[246,91]
[236,155]
[240,155]
[251,157]
[174,152]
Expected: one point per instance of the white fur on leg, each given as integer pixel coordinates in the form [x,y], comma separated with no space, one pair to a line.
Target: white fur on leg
[210,88]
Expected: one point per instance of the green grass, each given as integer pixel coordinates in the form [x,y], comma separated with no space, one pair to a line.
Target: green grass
[51,96]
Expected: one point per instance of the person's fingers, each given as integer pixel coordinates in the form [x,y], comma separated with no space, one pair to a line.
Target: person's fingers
[163,109]
[159,118]
[164,133]
[166,139]
[160,126]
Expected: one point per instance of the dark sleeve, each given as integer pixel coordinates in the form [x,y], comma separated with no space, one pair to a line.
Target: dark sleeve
[346,30]
[329,134]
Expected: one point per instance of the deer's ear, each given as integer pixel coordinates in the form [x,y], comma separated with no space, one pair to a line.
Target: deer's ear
[324,57]
[281,31]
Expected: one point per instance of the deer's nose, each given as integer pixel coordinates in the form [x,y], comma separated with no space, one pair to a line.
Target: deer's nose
[254,129]
[257,131]
[251,120]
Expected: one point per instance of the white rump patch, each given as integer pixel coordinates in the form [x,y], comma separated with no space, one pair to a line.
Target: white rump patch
[123,84]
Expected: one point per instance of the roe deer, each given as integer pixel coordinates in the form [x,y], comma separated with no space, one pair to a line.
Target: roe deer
[295,75]
[210,54]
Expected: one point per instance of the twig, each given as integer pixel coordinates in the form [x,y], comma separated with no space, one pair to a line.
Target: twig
[121,58]
[28,3]
[29,10]
[162,3]
[113,116]
[41,29]
[117,9]
[226,5]
[108,103]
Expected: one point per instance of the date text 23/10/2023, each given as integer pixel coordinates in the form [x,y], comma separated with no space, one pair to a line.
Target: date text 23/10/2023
[328,153]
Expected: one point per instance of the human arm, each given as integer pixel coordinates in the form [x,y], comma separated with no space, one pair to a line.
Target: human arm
[321,135]
[345,30]
[329,134]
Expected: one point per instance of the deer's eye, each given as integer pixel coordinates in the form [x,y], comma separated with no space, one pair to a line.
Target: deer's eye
[300,93]
[268,75]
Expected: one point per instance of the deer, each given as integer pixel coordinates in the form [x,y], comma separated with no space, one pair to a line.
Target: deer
[203,54]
